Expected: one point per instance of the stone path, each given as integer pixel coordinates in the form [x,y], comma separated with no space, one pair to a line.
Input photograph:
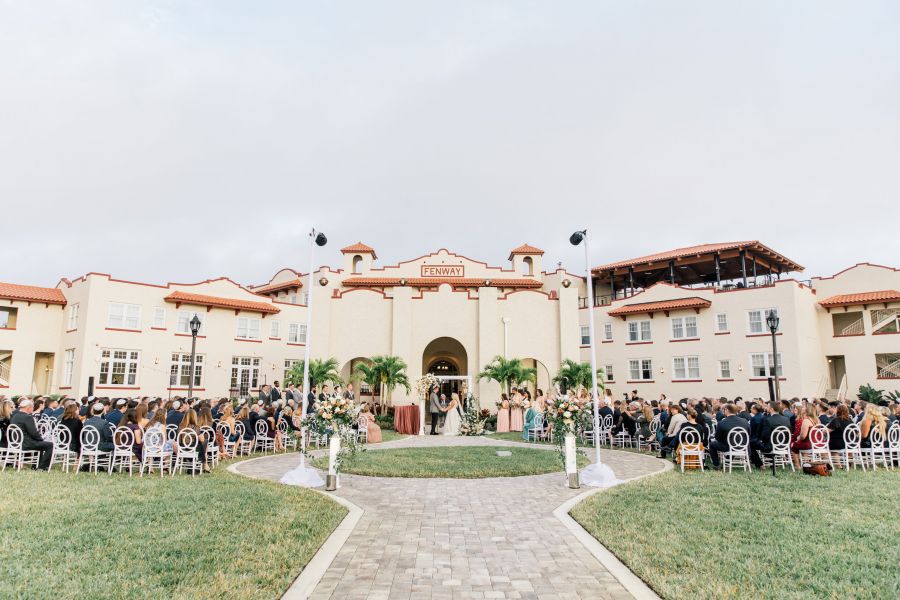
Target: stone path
[422,539]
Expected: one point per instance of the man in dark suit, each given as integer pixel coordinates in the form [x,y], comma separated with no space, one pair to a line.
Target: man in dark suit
[115,415]
[102,426]
[174,416]
[265,394]
[275,394]
[31,438]
[763,443]
[731,421]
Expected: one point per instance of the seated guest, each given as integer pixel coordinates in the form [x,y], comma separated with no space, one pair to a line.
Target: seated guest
[836,427]
[244,418]
[129,420]
[71,421]
[175,415]
[31,438]
[6,411]
[373,435]
[731,421]
[191,421]
[115,415]
[873,418]
[756,420]
[807,418]
[763,442]
[158,423]
[37,405]
[228,418]
[97,421]
[670,440]
[829,412]
[643,419]
[53,408]
[628,419]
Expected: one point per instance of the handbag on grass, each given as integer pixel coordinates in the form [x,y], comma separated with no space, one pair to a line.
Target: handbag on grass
[821,469]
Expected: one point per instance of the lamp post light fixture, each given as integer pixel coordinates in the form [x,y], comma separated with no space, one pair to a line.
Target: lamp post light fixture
[596,474]
[195,329]
[772,321]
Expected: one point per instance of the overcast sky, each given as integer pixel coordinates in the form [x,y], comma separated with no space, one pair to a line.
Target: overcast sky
[177,141]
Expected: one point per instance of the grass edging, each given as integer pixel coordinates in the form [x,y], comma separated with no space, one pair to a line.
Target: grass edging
[635,586]
[303,586]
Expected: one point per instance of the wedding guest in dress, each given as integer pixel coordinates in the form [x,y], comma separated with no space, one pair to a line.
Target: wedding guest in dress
[807,418]
[373,431]
[129,420]
[6,411]
[516,420]
[530,414]
[503,414]
[872,418]
[71,421]
[452,419]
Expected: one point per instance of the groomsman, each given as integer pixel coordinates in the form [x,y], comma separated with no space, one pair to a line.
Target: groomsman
[275,394]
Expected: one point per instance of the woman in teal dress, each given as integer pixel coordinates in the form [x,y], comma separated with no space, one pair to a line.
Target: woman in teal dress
[535,407]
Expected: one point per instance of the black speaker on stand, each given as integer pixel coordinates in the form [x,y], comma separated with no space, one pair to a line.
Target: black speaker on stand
[90,386]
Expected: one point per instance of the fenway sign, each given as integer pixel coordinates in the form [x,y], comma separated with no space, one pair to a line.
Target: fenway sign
[443,271]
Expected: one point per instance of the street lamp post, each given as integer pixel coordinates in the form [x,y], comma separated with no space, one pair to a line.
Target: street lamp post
[772,321]
[195,329]
[597,474]
[303,475]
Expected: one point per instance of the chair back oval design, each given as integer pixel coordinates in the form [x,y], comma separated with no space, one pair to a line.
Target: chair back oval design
[689,438]
[875,437]
[187,440]
[171,432]
[818,437]
[362,422]
[123,439]
[851,437]
[209,433]
[283,425]
[62,438]
[654,426]
[607,422]
[539,421]
[45,428]
[14,437]
[223,428]
[262,428]
[90,439]
[738,439]
[780,439]
[239,429]
[893,437]
[153,441]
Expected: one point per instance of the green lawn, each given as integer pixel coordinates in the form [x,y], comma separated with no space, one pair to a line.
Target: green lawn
[461,462]
[516,436]
[712,535]
[100,536]
[389,435]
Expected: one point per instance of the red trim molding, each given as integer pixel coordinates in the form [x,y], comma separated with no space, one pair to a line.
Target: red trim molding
[838,335]
[66,387]
[724,379]
[278,339]
[606,342]
[246,340]
[887,378]
[159,328]
[762,334]
[199,337]
[885,333]
[126,330]
[115,387]
[295,344]
[7,328]
[723,333]
[184,389]
[637,343]
[640,381]
[693,339]
[766,379]
[686,380]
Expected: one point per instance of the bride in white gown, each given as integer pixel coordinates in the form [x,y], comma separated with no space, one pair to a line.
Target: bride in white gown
[452,420]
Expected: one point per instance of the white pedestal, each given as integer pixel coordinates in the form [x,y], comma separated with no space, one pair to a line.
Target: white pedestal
[421,417]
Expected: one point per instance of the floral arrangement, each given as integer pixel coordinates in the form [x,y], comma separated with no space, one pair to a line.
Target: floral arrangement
[499,404]
[473,422]
[566,415]
[425,383]
[336,414]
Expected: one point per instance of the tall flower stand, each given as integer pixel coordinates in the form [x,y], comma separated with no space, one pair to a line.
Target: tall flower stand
[571,462]
[303,475]
[332,481]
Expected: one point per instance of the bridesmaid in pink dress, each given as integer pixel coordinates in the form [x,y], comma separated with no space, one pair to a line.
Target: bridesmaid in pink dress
[503,415]
[516,416]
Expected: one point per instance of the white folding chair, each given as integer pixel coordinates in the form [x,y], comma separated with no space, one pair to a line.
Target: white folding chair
[893,444]
[263,441]
[537,428]
[875,453]
[819,450]
[155,454]
[690,447]
[187,452]
[738,441]
[45,428]
[225,431]
[780,441]
[123,450]
[362,429]
[14,452]
[62,439]
[91,455]
[171,432]
[288,439]
[244,446]
[212,446]
[851,455]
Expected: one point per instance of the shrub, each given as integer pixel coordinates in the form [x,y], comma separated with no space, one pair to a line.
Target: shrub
[869,394]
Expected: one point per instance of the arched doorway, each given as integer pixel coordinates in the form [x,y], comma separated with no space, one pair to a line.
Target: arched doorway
[446,357]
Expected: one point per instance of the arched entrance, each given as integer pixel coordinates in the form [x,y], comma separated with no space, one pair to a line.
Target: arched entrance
[446,357]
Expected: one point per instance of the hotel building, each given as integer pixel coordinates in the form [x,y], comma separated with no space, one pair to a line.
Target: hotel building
[688,322]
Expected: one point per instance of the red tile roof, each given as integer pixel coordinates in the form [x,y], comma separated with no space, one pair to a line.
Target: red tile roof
[31,293]
[862,298]
[702,249]
[277,287]
[359,248]
[216,301]
[435,281]
[525,249]
[661,306]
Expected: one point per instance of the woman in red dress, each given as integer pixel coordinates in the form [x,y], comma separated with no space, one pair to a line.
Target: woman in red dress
[807,418]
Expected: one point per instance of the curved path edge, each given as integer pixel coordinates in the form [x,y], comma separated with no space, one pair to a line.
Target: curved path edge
[302,587]
[625,576]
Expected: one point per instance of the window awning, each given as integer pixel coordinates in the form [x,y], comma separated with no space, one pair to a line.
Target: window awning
[219,302]
[861,298]
[661,306]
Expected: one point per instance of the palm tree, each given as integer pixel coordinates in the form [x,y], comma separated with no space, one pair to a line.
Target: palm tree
[507,372]
[320,371]
[385,373]
[371,374]
[577,375]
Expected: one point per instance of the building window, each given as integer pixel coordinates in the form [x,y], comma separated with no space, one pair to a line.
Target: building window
[684,328]
[275,329]
[73,316]
[119,367]
[608,371]
[640,369]
[296,333]
[288,366]
[159,317]
[686,367]
[293,299]
[357,261]
[247,328]
[639,331]
[607,332]
[724,369]
[756,320]
[721,323]
[762,365]
[585,335]
[244,374]
[68,366]
[8,318]
[180,375]
[124,316]
[184,321]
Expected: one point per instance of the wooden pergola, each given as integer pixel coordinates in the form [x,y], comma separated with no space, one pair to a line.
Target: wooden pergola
[709,264]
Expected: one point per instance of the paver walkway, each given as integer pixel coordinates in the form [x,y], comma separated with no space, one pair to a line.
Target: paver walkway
[462,538]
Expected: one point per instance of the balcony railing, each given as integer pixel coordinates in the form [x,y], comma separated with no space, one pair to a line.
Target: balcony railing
[598,301]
